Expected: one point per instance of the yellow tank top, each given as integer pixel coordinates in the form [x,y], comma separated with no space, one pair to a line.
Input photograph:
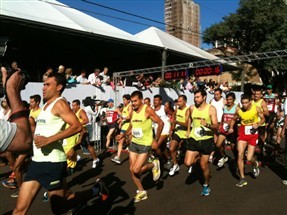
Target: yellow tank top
[198,131]
[141,128]
[79,118]
[125,114]
[180,117]
[248,117]
[258,104]
[35,114]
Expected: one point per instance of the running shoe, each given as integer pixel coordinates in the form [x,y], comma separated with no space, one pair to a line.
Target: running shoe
[103,190]
[95,163]
[15,195]
[205,190]
[156,169]
[12,184]
[150,159]
[284,182]
[116,160]
[241,183]
[210,159]
[189,170]
[222,161]
[141,195]
[173,170]
[255,169]
[45,197]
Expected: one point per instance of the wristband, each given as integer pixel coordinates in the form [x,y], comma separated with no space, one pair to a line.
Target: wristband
[19,114]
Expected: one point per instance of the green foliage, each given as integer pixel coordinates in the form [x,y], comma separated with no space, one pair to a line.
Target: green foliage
[257,26]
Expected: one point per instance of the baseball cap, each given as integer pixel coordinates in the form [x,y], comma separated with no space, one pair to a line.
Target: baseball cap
[269,86]
[110,100]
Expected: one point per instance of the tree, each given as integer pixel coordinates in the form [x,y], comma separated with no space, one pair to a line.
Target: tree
[257,26]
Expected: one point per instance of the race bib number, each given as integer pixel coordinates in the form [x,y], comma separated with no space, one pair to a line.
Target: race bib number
[198,132]
[225,126]
[249,130]
[109,119]
[270,107]
[137,132]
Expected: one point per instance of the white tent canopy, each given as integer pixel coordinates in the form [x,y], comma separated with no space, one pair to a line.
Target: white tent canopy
[54,13]
[157,37]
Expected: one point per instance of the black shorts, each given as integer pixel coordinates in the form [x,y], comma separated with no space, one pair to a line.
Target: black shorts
[232,138]
[50,175]
[139,149]
[176,138]
[261,131]
[204,147]
[113,125]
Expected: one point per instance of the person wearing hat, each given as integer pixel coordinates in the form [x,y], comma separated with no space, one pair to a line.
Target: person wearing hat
[111,117]
[270,100]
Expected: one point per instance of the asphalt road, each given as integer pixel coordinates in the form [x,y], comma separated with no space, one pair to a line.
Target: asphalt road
[175,195]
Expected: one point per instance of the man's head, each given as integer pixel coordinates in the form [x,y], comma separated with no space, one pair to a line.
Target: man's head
[61,69]
[35,101]
[96,71]
[269,89]
[14,65]
[230,98]
[55,84]
[110,103]
[217,94]
[181,101]
[147,101]
[246,101]
[257,93]
[76,105]
[157,100]
[199,97]
[126,99]
[106,70]
[136,99]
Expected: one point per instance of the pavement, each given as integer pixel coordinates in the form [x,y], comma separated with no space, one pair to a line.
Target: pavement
[180,194]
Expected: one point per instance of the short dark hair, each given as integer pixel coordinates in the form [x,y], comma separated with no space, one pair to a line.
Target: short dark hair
[147,98]
[36,97]
[137,93]
[60,79]
[218,89]
[183,97]
[127,97]
[201,91]
[245,96]
[77,101]
[231,95]
[158,96]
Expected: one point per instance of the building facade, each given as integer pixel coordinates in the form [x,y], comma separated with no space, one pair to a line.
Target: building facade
[182,19]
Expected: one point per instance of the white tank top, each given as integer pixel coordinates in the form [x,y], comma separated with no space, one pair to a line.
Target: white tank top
[219,108]
[48,125]
[162,115]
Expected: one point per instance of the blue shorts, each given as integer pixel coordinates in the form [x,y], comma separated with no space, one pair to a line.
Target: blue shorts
[50,175]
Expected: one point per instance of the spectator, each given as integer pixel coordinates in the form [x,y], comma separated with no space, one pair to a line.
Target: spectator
[61,69]
[106,79]
[94,78]
[71,79]
[81,79]
[49,71]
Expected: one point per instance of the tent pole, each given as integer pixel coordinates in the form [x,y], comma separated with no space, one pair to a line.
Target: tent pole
[163,62]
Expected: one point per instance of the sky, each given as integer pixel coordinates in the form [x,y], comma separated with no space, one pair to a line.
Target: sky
[211,12]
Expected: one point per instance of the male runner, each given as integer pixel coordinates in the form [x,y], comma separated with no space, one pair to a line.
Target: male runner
[181,117]
[204,122]
[247,135]
[142,140]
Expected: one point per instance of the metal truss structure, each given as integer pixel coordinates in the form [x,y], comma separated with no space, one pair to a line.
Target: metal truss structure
[231,62]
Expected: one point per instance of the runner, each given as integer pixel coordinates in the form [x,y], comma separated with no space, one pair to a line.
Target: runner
[228,113]
[180,123]
[247,135]
[218,102]
[204,122]
[142,140]
[125,123]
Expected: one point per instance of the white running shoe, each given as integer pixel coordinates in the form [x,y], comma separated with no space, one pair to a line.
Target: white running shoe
[222,161]
[189,170]
[156,169]
[174,169]
[95,163]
